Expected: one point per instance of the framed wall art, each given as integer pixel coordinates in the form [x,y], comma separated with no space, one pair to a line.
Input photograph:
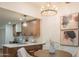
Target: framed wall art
[69,37]
[70,30]
[70,21]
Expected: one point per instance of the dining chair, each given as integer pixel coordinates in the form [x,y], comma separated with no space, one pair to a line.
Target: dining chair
[21,52]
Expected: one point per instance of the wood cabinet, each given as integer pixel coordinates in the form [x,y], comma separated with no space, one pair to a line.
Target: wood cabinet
[27,31]
[12,52]
[36,28]
[33,28]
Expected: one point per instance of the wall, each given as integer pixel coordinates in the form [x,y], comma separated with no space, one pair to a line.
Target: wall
[50,27]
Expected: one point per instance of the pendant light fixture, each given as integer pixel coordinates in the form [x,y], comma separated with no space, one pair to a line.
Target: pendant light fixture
[24,24]
[23,19]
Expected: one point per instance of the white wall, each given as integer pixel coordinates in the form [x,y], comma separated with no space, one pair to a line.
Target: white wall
[8,33]
[50,27]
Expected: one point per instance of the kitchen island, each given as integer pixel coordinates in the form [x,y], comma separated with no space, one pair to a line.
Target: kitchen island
[10,50]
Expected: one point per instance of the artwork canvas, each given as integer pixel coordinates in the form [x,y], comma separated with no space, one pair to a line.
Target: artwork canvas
[69,37]
[70,30]
[70,21]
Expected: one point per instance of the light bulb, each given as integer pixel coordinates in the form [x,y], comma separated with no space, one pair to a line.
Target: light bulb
[20,19]
[34,22]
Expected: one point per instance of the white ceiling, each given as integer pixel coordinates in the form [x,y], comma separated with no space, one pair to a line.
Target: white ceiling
[7,15]
[59,4]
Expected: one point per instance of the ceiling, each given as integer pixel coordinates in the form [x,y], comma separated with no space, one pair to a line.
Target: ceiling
[7,16]
[59,4]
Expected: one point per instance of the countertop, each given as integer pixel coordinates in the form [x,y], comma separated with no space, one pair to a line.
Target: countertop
[20,45]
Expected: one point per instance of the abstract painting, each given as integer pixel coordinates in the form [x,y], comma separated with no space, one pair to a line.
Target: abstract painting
[70,21]
[69,37]
[70,30]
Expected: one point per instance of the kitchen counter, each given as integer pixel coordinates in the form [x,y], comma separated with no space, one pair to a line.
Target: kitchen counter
[21,45]
[11,49]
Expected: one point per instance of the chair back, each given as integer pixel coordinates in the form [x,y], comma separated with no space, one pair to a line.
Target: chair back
[23,53]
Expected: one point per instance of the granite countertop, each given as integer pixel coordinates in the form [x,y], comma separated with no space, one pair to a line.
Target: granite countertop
[20,45]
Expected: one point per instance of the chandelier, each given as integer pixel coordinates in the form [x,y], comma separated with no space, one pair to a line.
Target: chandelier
[48,10]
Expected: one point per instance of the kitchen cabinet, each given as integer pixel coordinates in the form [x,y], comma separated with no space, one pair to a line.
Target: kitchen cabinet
[36,28]
[32,28]
[17,29]
[9,51]
[27,31]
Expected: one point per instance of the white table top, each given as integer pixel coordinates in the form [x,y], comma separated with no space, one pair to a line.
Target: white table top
[20,45]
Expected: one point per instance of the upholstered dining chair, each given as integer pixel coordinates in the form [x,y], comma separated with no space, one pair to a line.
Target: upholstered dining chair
[23,53]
